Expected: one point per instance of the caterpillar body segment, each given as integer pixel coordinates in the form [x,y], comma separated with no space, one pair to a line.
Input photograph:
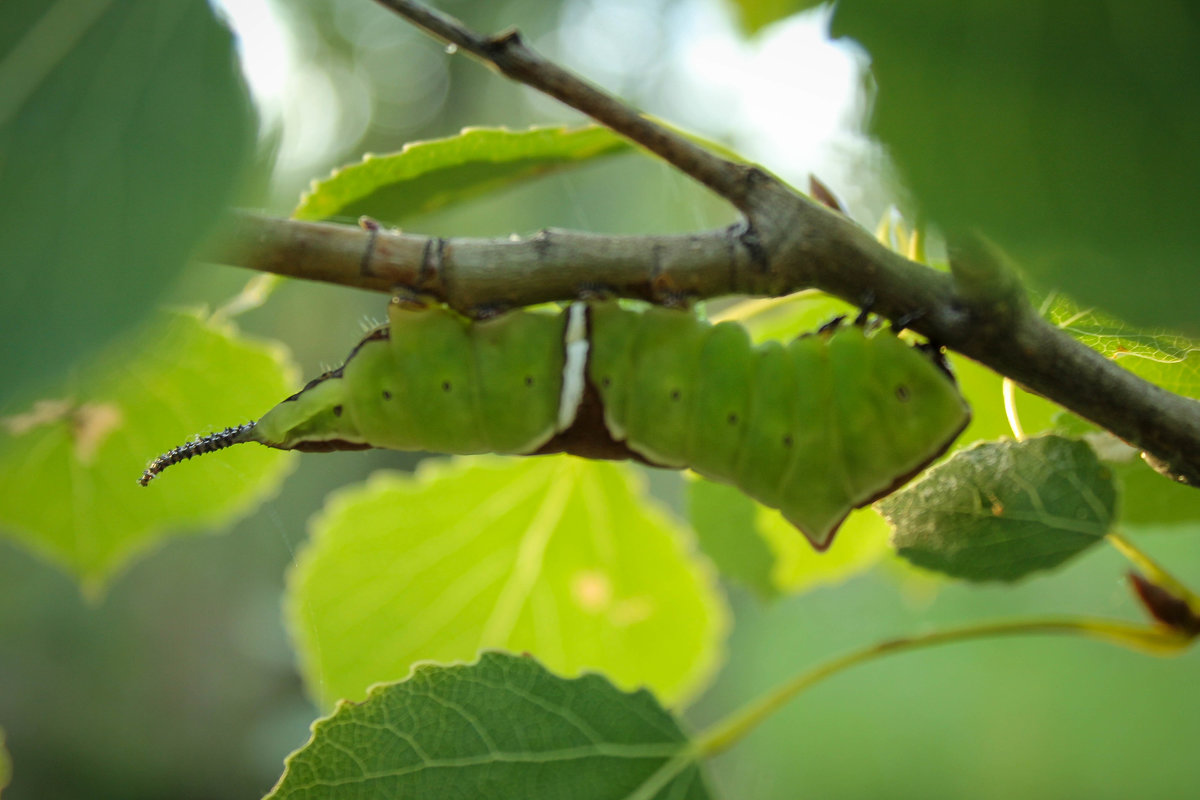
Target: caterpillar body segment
[817,427]
[434,380]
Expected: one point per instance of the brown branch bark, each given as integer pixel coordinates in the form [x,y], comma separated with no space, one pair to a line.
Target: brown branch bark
[785,243]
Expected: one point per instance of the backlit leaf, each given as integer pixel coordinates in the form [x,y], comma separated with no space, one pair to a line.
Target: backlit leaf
[428,175]
[560,557]
[69,463]
[755,15]
[1162,357]
[860,543]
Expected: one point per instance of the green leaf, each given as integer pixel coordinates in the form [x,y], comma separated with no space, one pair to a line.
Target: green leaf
[69,464]
[1162,357]
[425,176]
[754,15]
[560,557]
[1065,131]
[774,318]
[725,522]
[124,127]
[1002,510]
[502,727]
[1147,497]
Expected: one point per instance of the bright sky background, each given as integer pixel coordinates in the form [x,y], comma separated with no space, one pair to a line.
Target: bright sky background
[788,98]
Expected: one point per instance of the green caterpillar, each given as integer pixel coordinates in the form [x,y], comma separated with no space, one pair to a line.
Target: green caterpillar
[815,428]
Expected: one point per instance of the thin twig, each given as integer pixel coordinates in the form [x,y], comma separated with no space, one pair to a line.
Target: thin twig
[1157,640]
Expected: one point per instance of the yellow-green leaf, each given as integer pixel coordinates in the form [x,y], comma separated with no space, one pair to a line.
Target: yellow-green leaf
[860,543]
[503,727]
[1162,357]
[428,175]
[755,15]
[560,557]
[69,464]
[755,546]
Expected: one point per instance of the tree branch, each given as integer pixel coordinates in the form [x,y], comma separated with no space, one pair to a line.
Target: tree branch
[785,243]
[837,257]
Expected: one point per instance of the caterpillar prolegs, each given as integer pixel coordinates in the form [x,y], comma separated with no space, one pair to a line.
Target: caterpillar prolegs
[824,424]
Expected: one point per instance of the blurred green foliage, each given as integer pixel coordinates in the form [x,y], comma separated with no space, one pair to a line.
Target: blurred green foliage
[724,521]
[5,763]
[1030,717]
[124,131]
[1065,129]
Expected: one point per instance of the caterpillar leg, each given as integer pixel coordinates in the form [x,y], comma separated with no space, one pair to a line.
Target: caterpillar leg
[828,328]
[904,320]
[866,302]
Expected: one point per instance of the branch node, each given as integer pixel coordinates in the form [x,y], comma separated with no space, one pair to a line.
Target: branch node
[980,270]
[433,259]
[985,282]
[752,243]
[510,37]
[371,226]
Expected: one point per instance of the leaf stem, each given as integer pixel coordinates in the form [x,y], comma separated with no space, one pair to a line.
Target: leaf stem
[254,294]
[1153,571]
[1010,409]
[727,732]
